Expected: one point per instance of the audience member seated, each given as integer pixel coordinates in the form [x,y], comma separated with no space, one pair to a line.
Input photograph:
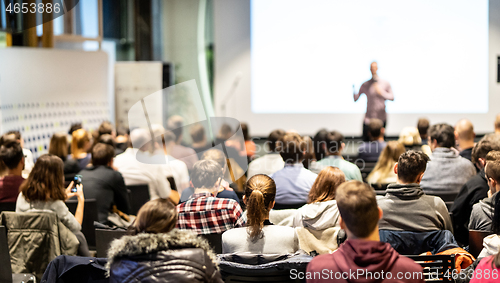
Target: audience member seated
[491,244]
[383,173]
[406,207]
[225,191]
[410,138]
[156,252]
[423,125]
[474,190]
[260,236]
[104,184]
[270,162]
[317,221]
[249,144]
[109,140]
[464,136]
[173,167]
[199,138]
[293,182]
[185,154]
[59,147]
[487,270]
[482,212]
[28,156]
[447,171]
[122,139]
[80,145]
[333,146]
[203,213]
[309,153]
[370,151]
[134,169]
[44,190]
[359,216]
[11,153]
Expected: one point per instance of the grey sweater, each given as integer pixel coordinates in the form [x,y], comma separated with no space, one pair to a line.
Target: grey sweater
[481,217]
[408,208]
[446,172]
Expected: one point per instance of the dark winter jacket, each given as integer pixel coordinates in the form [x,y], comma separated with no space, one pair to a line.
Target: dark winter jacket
[471,193]
[177,256]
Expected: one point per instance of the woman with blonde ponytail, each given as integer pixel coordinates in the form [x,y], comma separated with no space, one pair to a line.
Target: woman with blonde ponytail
[260,236]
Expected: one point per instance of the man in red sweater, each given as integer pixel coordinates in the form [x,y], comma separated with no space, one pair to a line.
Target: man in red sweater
[362,258]
[11,153]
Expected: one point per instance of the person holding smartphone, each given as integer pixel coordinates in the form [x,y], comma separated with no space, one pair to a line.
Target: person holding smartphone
[377,91]
[44,190]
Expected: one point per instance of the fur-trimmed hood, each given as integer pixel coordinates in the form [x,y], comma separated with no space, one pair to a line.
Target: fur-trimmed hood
[150,243]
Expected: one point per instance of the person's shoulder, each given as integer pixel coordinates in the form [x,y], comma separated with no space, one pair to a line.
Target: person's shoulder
[324,261]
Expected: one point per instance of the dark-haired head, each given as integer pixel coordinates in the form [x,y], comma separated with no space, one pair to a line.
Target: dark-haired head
[292,147]
[259,198]
[411,166]
[102,154]
[273,138]
[441,135]
[45,181]
[12,155]
[155,216]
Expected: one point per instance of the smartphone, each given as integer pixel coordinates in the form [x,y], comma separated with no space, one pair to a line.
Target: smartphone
[77,180]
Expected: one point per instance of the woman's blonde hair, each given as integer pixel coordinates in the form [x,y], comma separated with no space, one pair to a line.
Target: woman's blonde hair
[388,158]
[259,194]
[79,139]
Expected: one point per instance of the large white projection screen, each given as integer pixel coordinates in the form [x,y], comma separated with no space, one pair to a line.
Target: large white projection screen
[291,64]
[306,55]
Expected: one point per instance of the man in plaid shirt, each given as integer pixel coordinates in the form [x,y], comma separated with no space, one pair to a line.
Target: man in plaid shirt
[203,213]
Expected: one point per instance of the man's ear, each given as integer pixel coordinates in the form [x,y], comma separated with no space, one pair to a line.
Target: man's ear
[342,147]
[191,184]
[341,223]
[419,177]
[396,168]
[110,164]
[380,212]
[382,131]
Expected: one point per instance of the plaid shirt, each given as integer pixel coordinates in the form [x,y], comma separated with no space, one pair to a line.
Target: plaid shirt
[205,214]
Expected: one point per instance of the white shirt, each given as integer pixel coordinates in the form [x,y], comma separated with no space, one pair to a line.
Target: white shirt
[177,169]
[29,162]
[267,164]
[138,173]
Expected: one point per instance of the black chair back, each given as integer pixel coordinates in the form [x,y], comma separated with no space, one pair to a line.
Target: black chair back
[7,206]
[104,237]
[262,268]
[6,270]
[476,241]
[215,241]
[437,268]
[138,195]
[89,216]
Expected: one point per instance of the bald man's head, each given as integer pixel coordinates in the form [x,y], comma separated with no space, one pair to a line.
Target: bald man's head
[464,130]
